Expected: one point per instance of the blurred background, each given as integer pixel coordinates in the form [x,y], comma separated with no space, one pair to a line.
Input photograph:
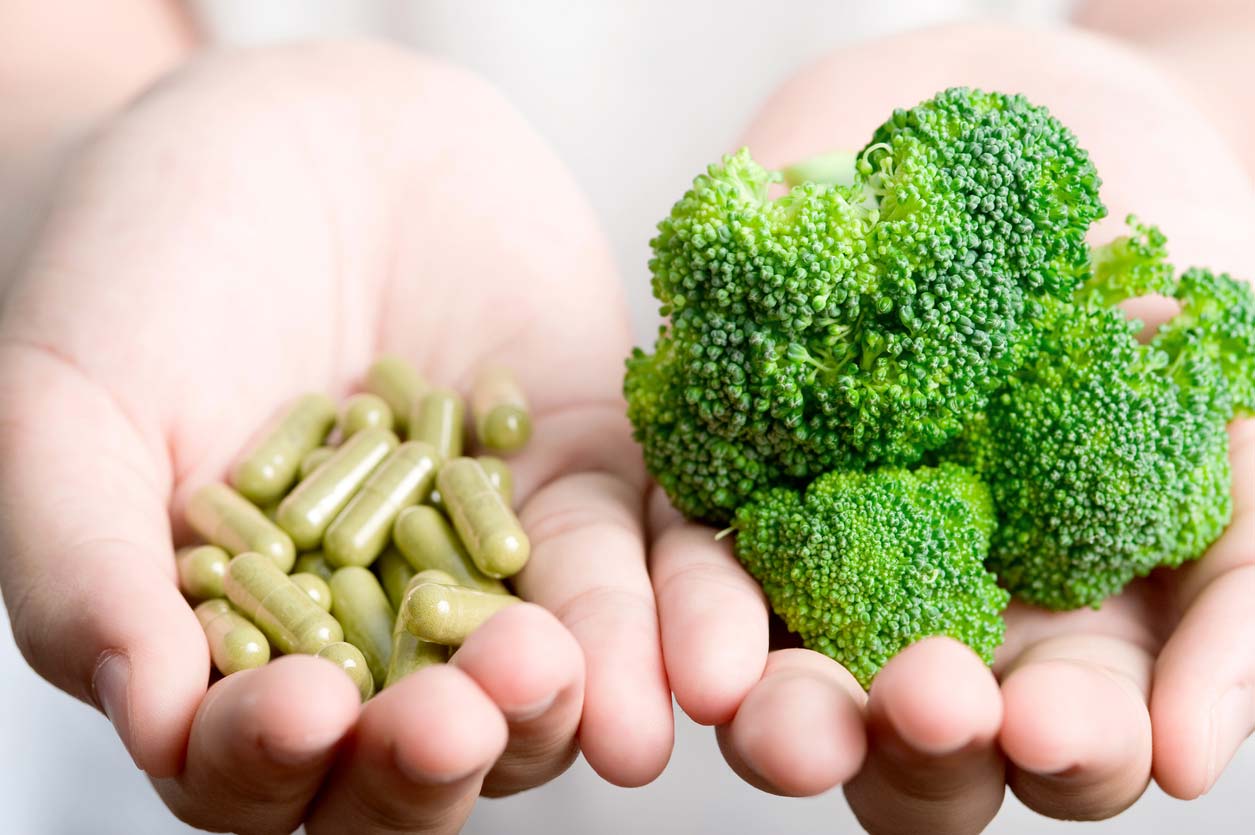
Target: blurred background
[636,97]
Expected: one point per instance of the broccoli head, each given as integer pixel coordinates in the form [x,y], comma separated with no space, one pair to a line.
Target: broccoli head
[1107,457]
[863,564]
[861,319]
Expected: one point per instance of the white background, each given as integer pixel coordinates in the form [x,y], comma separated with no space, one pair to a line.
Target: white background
[637,97]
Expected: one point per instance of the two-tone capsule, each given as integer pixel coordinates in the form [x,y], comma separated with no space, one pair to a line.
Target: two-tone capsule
[280,608]
[228,520]
[410,653]
[310,507]
[269,465]
[437,418]
[361,531]
[426,541]
[399,384]
[360,605]
[486,524]
[499,409]
[234,643]
[363,411]
[201,571]
[445,614]
[350,659]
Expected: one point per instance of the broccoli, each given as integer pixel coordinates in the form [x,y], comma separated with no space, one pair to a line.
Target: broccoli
[860,320]
[865,563]
[1108,458]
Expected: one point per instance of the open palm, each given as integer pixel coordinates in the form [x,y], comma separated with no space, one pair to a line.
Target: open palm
[260,225]
[1081,707]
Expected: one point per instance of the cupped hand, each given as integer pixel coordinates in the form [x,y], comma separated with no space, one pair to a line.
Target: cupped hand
[262,224]
[1081,708]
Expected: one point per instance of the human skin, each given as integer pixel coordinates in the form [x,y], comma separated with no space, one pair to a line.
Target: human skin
[1082,708]
[262,224]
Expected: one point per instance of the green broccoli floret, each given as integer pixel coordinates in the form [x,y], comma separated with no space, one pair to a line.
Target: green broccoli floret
[864,564]
[862,319]
[1108,458]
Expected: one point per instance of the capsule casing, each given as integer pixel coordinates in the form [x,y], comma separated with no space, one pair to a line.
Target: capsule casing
[499,409]
[280,608]
[312,504]
[201,571]
[314,562]
[269,465]
[394,575]
[363,411]
[399,384]
[316,587]
[486,524]
[360,605]
[426,541]
[500,475]
[446,614]
[234,643]
[350,659]
[228,520]
[437,418]
[314,459]
[361,531]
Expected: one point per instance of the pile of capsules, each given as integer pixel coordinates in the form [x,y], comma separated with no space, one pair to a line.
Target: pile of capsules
[323,495]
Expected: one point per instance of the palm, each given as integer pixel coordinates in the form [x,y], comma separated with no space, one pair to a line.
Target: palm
[198,271]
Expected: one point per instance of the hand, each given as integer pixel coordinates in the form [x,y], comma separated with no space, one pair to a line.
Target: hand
[1066,718]
[259,225]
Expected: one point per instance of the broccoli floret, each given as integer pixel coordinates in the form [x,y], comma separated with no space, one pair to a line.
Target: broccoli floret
[863,319]
[864,564]
[1108,458]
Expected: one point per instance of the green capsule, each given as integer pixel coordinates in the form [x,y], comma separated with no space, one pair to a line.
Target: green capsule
[310,507]
[445,614]
[269,465]
[486,524]
[280,608]
[350,659]
[500,475]
[363,411]
[228,520]
[408,652]
[313,562]
[502,421]
[234,643]
[400,386]
[313,459]
[362,530]
[394,574]
[201,569]
[426,541]
[360,605]
[316,587]
[437,419]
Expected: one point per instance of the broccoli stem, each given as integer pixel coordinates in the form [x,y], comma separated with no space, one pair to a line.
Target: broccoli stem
[833,168]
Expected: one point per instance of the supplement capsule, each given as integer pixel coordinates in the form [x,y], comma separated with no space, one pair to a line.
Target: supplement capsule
[313,459]
[234,643]
[310,507]
[500,476]
[363,411]
[394,575]
[315,587]
[280,608]
[446,614]
[201,569]
[400,386]
[269,465]
[426,541]
[437,419]
[488,527]
[313,562]
[408,652]
[502,421]
[350,659]
[361,531]
[228,520]
[360,605]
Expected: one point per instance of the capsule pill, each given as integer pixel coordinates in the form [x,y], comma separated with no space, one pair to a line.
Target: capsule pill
[268,466]
[445,614]
[499,474]
[362,530]
[360,605]
[201,571]
[313,459]
[485,523]
[280,608]
[499,409]
[363,411]
[437,418]
[350,659]
[228,520]
[398,384]
[394,573]
[234,643]
[314,562]
[316,587]
[426,541]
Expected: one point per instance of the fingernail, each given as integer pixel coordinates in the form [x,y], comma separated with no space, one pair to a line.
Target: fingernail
[1231,720]
[109,685]
[532,711]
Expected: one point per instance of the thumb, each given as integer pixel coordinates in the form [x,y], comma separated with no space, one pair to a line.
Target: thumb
[85,557]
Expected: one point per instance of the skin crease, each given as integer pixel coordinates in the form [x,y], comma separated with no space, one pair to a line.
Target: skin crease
[1077,736]
[196,272]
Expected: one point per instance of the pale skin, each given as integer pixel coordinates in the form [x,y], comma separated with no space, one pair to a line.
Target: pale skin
[1081,709]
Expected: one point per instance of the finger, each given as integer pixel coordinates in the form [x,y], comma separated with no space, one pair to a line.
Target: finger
[1076,730]
[533,670]
[799,731]
[713,619]
[86,560]
[261,745]
[588,568]
[933,716]
[416,760]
